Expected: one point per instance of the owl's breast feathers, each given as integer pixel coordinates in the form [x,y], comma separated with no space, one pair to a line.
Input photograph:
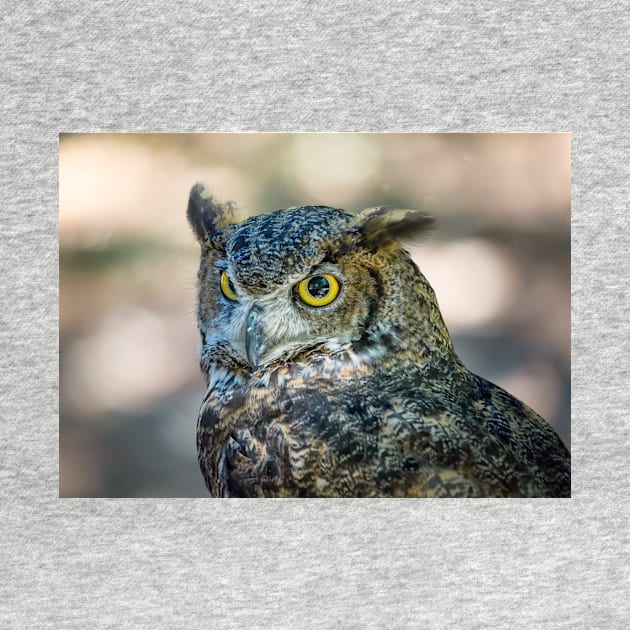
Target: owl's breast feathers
[404,432]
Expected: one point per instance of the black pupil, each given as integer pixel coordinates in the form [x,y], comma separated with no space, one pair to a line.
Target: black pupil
[318,286]
[231,286]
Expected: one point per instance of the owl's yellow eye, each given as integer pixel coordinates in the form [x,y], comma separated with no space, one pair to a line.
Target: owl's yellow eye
[318,290]
[227,288]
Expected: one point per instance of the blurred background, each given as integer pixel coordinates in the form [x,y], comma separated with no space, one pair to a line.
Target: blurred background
[130,385]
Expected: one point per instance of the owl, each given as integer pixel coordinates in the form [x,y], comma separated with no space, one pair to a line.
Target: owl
[330,371]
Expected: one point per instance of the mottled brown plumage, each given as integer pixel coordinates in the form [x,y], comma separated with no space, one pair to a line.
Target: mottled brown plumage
[363,396]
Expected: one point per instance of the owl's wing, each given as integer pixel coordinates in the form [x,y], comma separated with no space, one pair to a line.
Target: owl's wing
[533,456]
[475,439]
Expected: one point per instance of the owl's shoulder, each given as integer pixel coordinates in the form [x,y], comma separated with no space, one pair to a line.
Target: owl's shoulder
[469,425]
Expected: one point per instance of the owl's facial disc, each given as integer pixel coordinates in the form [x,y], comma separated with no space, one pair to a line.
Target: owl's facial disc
[261,340]
[285,289]
[298,315]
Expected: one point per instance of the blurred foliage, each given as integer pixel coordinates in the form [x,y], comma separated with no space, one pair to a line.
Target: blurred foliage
[115,254]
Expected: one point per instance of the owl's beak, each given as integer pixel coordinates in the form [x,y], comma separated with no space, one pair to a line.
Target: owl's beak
[253,337]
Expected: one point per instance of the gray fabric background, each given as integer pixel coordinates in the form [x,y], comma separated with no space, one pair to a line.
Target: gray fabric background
[311,563]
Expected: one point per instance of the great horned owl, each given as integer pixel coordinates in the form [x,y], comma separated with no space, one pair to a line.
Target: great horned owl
[330,372]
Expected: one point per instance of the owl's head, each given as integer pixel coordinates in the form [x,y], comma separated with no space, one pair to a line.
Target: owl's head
[310,280]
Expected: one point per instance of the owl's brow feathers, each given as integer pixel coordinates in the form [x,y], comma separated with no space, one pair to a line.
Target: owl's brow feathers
[373,226]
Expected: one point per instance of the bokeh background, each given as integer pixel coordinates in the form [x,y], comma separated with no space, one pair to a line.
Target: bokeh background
[130,385]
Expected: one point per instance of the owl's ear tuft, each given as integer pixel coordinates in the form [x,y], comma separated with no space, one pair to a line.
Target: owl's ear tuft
[206,215]
[384,224]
